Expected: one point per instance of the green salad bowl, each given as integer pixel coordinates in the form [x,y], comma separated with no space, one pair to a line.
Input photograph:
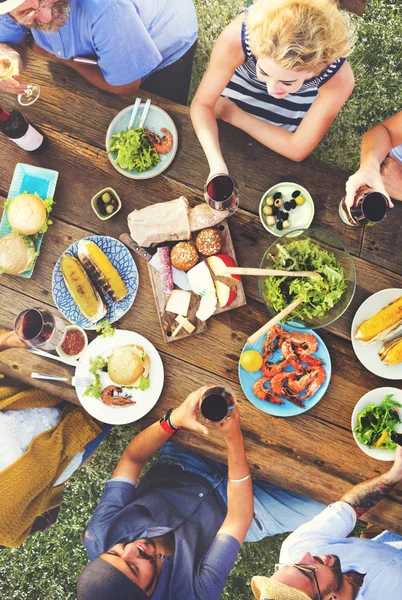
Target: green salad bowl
[324,242]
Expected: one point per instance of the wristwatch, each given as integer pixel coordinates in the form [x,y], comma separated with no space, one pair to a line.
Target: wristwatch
[167,424]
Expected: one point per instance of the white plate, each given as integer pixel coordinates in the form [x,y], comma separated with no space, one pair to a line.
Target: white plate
[145,400]
[300,217]
[376,397]
[368,353]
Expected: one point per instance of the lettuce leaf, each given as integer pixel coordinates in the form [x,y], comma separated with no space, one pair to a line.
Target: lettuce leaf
[134,151]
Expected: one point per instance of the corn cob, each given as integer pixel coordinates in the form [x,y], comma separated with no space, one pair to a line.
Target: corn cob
[391,352]
[101,271]
[383,324]
[81,288]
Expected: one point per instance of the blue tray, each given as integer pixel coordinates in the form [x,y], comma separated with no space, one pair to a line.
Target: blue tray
[288,409]
[28,178]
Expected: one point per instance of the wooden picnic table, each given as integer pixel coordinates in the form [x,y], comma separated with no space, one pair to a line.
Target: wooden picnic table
[314,453]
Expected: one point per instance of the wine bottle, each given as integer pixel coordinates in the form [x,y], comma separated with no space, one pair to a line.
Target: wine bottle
[16,127]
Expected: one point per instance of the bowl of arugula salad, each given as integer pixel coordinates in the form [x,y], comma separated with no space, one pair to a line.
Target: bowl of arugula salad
[326,298]
[135,151]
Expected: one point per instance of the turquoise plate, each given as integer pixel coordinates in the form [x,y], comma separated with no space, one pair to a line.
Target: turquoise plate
[156,119]
[247,380]
[28,178]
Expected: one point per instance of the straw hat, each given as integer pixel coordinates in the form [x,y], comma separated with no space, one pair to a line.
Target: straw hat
[7,5]
[265,588]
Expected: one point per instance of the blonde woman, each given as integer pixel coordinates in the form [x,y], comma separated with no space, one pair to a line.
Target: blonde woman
[279,72]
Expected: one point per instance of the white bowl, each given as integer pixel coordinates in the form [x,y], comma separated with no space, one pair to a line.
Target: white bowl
[69,357]
[300,217]
[376,397]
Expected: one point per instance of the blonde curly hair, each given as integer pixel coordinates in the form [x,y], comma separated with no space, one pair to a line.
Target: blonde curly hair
[300,35]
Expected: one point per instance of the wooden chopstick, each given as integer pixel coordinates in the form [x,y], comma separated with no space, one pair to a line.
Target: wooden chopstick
[256,336]
[267,272]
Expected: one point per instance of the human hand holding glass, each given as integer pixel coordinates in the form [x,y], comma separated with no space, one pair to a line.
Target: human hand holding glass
[10,68]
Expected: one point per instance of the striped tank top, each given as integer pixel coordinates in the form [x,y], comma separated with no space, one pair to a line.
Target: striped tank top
[251,95]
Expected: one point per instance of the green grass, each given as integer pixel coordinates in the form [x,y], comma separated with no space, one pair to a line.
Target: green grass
[47,565]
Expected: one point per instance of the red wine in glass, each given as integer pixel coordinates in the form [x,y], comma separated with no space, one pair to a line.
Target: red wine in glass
[370,207]
[39,327]
[216,404]
[221,193]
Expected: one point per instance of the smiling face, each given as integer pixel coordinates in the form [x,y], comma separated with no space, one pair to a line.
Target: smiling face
[328,573]
[280,82]
[49,19]
[140,561]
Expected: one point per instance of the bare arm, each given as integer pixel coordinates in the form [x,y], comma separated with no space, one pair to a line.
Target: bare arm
[376,144]
[226,56]
[9,339]
[298,145]
[146,443]
[364,496]
[240,495]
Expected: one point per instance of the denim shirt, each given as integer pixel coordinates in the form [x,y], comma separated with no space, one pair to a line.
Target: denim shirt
[169,499]
[131,38]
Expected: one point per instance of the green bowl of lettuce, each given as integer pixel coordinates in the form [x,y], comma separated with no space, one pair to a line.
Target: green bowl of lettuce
[324,299]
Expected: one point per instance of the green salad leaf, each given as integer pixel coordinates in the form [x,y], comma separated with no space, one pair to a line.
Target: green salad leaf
[374,420]
[134,151]
[105,329]
[95,387]
[143,384]
[319,295]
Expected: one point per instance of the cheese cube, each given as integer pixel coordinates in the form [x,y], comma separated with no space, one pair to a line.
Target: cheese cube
[178,303]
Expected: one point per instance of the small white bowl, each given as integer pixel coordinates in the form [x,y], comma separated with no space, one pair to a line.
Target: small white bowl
[69,357]
[377,396]
[114,195]
[300,217]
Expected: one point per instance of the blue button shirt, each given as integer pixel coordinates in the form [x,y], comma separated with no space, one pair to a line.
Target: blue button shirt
[169,499]
[131,38]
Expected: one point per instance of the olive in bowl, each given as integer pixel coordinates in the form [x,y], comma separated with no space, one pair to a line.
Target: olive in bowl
[106,203]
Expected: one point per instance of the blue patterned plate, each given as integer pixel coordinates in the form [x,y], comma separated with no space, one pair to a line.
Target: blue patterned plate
[247,380]
[121,259]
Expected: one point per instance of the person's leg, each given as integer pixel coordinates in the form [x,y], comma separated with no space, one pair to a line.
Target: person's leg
[391,172]
[172,82]
[277,510]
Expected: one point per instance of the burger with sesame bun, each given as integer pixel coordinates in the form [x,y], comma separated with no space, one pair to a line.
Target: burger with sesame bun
[28,214]
[17,254]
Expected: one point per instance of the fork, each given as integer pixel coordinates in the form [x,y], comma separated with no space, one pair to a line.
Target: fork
[74,381]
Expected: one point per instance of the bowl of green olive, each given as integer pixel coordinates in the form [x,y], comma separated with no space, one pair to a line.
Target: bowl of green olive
[286,207]
[106,203]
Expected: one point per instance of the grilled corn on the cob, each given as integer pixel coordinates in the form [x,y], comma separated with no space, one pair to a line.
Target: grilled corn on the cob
[101,270]
[391,352]
[383,324]
[81,288]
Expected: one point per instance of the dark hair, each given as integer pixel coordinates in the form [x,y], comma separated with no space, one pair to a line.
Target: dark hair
[101,581]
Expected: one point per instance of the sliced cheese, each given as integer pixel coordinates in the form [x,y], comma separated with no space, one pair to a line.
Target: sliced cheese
[200,279]
[183,322]
[178,302]
[207,306]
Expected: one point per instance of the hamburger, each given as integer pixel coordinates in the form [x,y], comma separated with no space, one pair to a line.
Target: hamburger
[17,254]
[129,366]
[27,214]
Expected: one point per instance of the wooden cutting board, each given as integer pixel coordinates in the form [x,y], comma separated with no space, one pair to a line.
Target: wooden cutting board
[167,319]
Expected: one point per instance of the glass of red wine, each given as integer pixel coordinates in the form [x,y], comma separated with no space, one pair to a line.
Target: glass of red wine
[370,207]
[39,327]
[217,404]
[221,192]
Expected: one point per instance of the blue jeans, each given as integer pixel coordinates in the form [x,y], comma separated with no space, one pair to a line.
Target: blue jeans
[276,510]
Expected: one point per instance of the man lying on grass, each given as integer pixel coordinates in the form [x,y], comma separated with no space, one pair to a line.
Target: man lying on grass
[321,563]
[176,534]
[131,40]
[380,161]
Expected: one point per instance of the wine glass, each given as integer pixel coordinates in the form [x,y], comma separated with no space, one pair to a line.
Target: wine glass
[7,70]
[39,327]
[216,404]
[221,192]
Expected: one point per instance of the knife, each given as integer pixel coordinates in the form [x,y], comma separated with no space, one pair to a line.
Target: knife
[180,278]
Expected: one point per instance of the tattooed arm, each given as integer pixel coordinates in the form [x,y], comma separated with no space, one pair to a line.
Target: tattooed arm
[365,495]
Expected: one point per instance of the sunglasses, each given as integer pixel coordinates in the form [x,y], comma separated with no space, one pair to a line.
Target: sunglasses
[309,570]
[29,16]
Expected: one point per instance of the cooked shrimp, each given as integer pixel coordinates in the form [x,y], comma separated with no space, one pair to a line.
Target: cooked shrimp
[263,393]
[270,369]
[280,384]
[111,396]
[311,381]
[273,340]
[161,144]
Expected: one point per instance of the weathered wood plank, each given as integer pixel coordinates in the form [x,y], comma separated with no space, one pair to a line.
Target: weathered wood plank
[382,244]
